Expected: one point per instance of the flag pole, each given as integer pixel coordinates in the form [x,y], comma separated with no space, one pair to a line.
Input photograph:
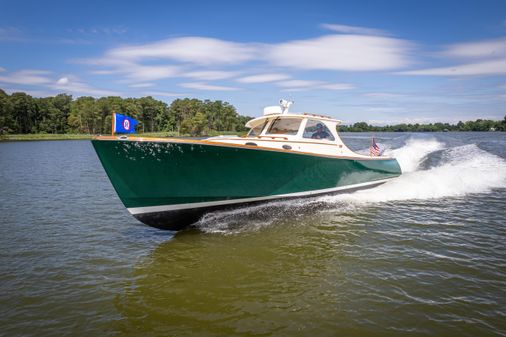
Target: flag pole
[370,145]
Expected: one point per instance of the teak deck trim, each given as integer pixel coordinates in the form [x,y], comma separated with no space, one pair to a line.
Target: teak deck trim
[217,143]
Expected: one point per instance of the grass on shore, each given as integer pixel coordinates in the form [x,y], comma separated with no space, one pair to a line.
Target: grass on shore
[44,136]
[78,136]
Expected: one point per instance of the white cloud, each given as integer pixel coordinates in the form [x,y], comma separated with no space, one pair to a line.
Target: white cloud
[337,86]
[290,90]
[263,78]
[75,41]
[150,73]
[300,85]
[133,71]
[115,30]
[205,86]
[479,49]
[63,81]
[176,57]
[104,72]
[383,95]
[493,67]
[2,69]
[487,57]
[342,52]
[141,85]
[105,62]
[71,84]
[197,50]
[210,75]
[11,34]
[352,29]
[27,77]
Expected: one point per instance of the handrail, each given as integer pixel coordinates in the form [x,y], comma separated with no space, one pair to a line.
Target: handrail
[273,137]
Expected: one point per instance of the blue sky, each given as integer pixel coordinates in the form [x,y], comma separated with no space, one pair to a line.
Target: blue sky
[375,61]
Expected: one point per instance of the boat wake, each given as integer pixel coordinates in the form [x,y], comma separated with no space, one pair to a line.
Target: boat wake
[431,170]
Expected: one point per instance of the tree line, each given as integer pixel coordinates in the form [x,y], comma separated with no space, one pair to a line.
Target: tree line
[477,125]
[21,113]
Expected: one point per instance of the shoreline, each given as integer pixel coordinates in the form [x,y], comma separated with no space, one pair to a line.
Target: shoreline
[39,137]
[74,136]
[79,136]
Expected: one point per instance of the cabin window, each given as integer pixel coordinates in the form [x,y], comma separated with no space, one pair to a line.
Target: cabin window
[257,130]
[317,130]
[285,126]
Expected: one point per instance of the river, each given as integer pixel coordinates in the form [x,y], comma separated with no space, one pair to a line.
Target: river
[422,255]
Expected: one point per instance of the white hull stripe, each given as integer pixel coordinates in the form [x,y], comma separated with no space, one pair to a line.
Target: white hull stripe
[176,207]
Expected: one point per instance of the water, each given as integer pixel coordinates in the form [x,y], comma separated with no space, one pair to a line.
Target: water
[421,255]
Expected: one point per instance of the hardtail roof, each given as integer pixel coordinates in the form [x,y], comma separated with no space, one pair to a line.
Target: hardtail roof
[259,120]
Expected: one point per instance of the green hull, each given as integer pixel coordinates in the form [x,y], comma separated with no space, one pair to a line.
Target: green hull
[171,184]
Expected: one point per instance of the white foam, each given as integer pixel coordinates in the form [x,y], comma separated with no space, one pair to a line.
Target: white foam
[462,170]
[467,170]
[225,221]
[411,155]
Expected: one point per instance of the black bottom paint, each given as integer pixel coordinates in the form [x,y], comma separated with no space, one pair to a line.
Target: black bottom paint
[181,219]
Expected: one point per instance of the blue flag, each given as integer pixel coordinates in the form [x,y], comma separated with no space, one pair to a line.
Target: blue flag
[123,124]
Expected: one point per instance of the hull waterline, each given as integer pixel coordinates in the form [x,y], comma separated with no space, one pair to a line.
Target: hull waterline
[183,218]
[171,184]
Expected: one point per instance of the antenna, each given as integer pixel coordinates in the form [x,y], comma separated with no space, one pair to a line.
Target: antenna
[285,105]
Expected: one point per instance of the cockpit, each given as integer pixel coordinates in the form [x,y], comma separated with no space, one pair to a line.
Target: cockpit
[278,129]
[295,126]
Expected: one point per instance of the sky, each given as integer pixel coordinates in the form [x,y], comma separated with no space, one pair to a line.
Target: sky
[381,62]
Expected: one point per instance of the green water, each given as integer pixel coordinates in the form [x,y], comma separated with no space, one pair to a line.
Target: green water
[424,256]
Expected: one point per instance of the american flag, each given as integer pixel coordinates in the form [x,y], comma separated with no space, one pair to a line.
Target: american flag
[374,150]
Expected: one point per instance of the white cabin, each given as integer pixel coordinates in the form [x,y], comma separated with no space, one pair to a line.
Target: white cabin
[298,132]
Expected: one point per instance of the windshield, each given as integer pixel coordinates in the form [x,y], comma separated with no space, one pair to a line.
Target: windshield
[317,130]
[285,126]
[257,130]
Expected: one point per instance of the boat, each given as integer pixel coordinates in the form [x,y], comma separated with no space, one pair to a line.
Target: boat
[170,183]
